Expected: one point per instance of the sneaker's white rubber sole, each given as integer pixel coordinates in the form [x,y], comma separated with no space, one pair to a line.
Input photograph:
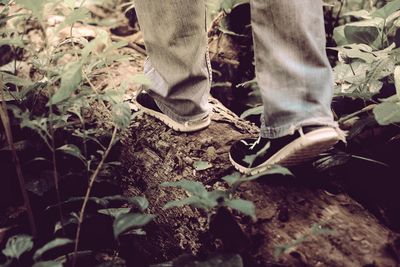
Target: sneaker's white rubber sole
[299,151]
[188,127]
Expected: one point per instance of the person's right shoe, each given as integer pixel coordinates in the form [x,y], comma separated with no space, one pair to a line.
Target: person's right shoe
[253,156]
[147,104]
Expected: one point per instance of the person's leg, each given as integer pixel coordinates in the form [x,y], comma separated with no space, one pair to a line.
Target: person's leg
[293,71]
[176,42]
[296,84]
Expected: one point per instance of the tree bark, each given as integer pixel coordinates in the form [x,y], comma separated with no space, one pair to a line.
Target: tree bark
[289,209]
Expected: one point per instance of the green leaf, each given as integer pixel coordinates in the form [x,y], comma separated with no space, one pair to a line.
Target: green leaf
[70,79]
[229,5]
[397,80]
[387,113]
[126,222]
[244,206]
[58,242]
[140,202]
[18,245]
[73,17]
[70,3]
[273,170]
[48,264]
[121,114]
[232,178]
[9,78]
[12,41]
[141,79]
[252,111]
[339,37]
[72,150]
[114,212]
[194,201]
[360,14]
[202,165]
[214,261]
[364,35]
[387,10]
[36,6]
[194,187]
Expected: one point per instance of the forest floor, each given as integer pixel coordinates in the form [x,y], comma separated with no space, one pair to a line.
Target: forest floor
[362,176]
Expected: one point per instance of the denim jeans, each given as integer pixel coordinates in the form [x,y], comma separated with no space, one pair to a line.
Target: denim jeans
[292,68]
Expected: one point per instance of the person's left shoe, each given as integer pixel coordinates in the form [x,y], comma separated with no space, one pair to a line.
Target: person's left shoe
[253,156]
[148,105]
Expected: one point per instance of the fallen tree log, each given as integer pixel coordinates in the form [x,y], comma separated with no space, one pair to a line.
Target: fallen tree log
[292,212]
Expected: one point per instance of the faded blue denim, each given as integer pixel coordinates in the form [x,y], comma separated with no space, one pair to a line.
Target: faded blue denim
[292,68]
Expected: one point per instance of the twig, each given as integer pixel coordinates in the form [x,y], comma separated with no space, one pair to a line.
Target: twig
[350,116]
[132,45]
[7,128]
[88,191]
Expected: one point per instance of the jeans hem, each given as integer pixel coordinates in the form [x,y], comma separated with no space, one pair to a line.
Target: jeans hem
[289,129]
[181,119]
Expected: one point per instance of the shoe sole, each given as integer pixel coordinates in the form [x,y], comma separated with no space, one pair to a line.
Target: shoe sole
[299,151]
[176,126]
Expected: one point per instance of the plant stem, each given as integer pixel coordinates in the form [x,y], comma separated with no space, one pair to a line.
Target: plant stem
[383,34]
[88,191]
[55,170]
[339,13]
[348,117]
[7,128]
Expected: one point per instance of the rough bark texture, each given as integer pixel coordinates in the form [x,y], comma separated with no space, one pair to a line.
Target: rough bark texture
[287,207]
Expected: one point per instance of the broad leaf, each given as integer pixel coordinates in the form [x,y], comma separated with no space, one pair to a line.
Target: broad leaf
[70,79]
[387,10]
[360,14]
[397,81]
[273,170]
[364,35]
[252,111]
[194,187]
[36,6]
[121,114]
[180,203]
[232,178]
[202,165]
[129,221]
[244,206]
[48,264]
[141,79]
[72,150]
[218,260]
[206,202]
[140,202]
[387,113]
[58,242]
[114,212]
[229,5]
[73,17]
[70,3]
[18,245]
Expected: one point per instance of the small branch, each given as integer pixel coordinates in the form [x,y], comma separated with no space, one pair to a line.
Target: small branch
[131,45]
[88,191]
[350,116]
[7,128]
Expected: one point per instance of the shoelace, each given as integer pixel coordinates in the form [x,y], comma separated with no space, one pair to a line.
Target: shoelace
[255,143]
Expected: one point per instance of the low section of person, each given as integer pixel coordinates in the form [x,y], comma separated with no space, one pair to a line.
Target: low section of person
[292,71]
